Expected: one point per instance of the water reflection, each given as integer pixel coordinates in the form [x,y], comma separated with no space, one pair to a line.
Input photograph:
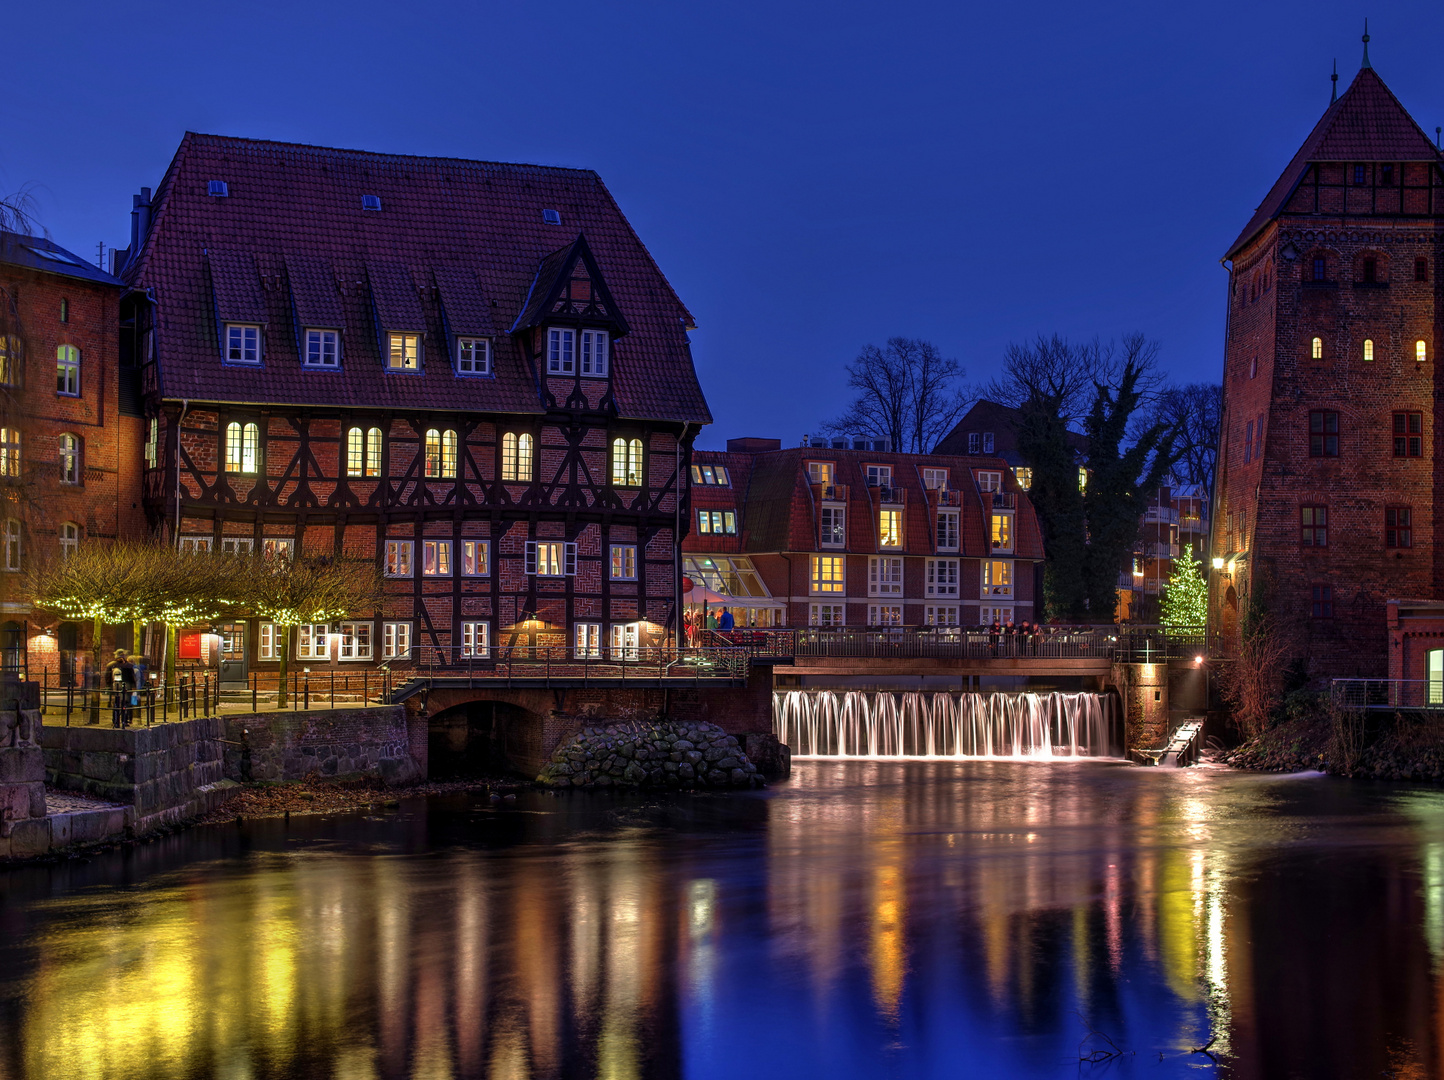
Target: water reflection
[868,918]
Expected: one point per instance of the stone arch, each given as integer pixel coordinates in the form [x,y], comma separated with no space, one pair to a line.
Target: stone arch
[482,737]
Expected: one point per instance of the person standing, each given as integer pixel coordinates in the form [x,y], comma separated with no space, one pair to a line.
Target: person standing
[120,677]
[726,622]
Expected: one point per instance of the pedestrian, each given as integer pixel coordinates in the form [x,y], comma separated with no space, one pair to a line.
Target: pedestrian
[993,632]
[1037,637]
[1012,632]
[726,622]
[120,677]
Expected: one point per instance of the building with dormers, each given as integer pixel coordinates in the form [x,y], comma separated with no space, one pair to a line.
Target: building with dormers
[1329,472]
[823,536]
[472,372]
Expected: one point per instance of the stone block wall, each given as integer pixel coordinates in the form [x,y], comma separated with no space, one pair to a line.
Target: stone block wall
[1144,688]
[22,763]
[326,743]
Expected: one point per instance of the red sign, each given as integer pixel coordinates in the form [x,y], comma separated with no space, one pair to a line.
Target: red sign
[190,645]
[686,584]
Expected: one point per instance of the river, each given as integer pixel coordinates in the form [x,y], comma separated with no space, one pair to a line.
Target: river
[864,919]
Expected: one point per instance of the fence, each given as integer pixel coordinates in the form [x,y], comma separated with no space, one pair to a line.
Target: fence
[562,663]
[1388,693]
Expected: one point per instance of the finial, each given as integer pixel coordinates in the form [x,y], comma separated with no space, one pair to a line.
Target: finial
[1334,93]
[1366,45]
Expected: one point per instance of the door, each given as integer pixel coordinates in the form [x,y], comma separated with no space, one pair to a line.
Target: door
[233,654]
[624,641]
[12,648]
[68,644]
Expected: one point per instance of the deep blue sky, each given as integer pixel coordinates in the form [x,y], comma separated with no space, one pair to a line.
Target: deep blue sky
[811,177]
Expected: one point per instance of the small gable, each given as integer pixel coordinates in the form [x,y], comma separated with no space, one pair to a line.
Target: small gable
[569,285]
[314,296]
[236,288]
[463,305]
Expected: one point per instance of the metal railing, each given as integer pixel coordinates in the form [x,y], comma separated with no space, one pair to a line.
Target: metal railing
[708,662]
[1004,500]
[1388,693]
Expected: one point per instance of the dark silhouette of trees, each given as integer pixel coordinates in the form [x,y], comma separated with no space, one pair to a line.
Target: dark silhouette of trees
[908,394]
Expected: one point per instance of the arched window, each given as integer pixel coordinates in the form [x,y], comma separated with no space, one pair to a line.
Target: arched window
[448,454]
[523,457]
[373,451]
[508,456]
[1421,351]
[433,452]
[9,452]
[1318,349]
[69,459]
[355,452]
[67,371]
[12,544]
[627,462]
[1368,351]
[69,539]
[242,447]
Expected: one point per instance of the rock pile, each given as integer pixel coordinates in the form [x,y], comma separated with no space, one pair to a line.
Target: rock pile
[660,754]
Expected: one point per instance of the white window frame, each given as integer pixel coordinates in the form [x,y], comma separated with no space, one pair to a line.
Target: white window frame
[243,344]
[986,615]
[883,532]
[942,615]
[991,590]
[267,641]
[879,476]
[884,614]
[821,472]
[885,575]
[400,558]
[626,640]
[69,539]
[471,551]
[561,350]
[323,349]
[313,641]
[587,640]
[436,554]
[833,534]
[1024,475]
[623,562]
[274,546]
[627,462]
[152,443]
[943,577]
[356,641]
[987,442]
[516,463]
[67,371]
[473,356]
[403,351]
[195,544]
[396,641]
[238,545]
[243,451]
[68,455]
[989,480]
[826,614]
[975,442]
[475,640]
[935,479]
[948,529]
[551,558]
[595,354]
[1009,524]
[828,585]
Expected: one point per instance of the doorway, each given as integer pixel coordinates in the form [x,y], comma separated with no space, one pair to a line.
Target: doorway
[234,670]
[67,642]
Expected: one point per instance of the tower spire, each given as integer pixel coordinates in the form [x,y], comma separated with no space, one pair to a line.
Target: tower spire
[1334,93]
[1366,45]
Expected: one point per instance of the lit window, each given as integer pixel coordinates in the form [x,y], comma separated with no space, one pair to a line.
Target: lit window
[942,577]
[277,548]
[323,348]
[269,642]
[1314,526]
[625,640]
[363,452]
[1408,434]
[194,545]
[587,640]
[1024,476]
[516,457]
[441,454]
[9,452]
[551,559]
[997,578]
[12,544]
[473,357]
[884,615]
[1317,348]
[561,352]
[475,558]
[884,576]
[624,562]
[242,443]
[879,476]
[436,558]
[827,574]
[1082,478]
[1368,351]
[990,481]
[948,530]
[238,545]
[476,639]
[935,479]
[1002,532]
[67,371]
[70,539]
[403,352]
[243,344]
[395,640]
[820,472]
[594,353]
[152,444]
[69,459]
[834,526]
[9,360]
[889,528]
[313,641]
[1398,527]
[627,462]
[941,615]
[1421,351]
[826,615]
[1323,434]
[398,558]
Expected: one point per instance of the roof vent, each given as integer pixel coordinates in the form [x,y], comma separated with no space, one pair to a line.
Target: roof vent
[862,444]
[218,188]
[552,217]
[839,444]
[881,444]
[370,202]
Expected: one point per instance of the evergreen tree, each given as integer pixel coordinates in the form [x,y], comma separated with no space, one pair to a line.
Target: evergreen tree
[1185,597]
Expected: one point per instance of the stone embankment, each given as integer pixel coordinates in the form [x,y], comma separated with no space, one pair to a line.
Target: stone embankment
[658,754]
[1375,746]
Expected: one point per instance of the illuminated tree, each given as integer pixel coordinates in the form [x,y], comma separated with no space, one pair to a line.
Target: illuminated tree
[1185,597]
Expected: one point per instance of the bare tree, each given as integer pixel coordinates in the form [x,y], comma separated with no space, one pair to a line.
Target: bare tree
[908,394]
[1253,684]
[1194,412]
[1054,374]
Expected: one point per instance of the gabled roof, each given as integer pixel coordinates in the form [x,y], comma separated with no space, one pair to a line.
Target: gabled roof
[1367,123]
[38,253]
[456,247]
[563,288]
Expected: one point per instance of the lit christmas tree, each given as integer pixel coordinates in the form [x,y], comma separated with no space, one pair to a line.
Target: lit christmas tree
[1185,597]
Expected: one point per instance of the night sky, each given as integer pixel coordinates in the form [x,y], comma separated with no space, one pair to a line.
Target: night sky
[810,177]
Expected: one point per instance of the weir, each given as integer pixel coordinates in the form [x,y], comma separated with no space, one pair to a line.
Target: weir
[882,723]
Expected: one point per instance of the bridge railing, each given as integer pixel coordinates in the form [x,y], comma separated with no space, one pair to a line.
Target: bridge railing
[1387,693]
[562,662]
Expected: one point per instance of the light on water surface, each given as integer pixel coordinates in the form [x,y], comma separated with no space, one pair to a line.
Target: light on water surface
[867,918]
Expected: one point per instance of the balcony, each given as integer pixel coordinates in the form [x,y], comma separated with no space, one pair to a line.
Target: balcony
[945,497]
[1160,551]
[1193,523]
[1004,500]
[1160,515]
[891,496]
[830,492]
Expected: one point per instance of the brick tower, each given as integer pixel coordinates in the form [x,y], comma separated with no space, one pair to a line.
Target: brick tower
[1329,480]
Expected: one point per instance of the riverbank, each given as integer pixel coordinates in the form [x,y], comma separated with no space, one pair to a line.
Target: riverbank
[1370,746]
[270,800]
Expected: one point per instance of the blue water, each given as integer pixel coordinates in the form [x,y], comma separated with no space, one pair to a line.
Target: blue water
[865,919]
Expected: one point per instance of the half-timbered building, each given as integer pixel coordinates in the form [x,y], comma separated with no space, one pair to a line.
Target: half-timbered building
[473,373]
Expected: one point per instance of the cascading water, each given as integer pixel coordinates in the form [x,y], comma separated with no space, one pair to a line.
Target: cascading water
[879,723]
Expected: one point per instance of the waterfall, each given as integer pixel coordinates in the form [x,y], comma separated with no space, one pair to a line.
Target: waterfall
[879,723]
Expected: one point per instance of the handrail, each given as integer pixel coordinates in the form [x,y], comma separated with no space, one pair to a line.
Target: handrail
[1387,693]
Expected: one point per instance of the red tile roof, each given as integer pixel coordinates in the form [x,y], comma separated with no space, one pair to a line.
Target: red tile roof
[1367,123]
[455,248]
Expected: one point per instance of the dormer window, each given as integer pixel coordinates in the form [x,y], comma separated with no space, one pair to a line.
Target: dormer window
[473,356]
[404,353]
[323,349]
[561,351]
[243,344]
[594,353]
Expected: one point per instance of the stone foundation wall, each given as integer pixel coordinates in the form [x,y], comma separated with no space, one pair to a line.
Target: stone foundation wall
[1144,689]
[325,743]
[22,762]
